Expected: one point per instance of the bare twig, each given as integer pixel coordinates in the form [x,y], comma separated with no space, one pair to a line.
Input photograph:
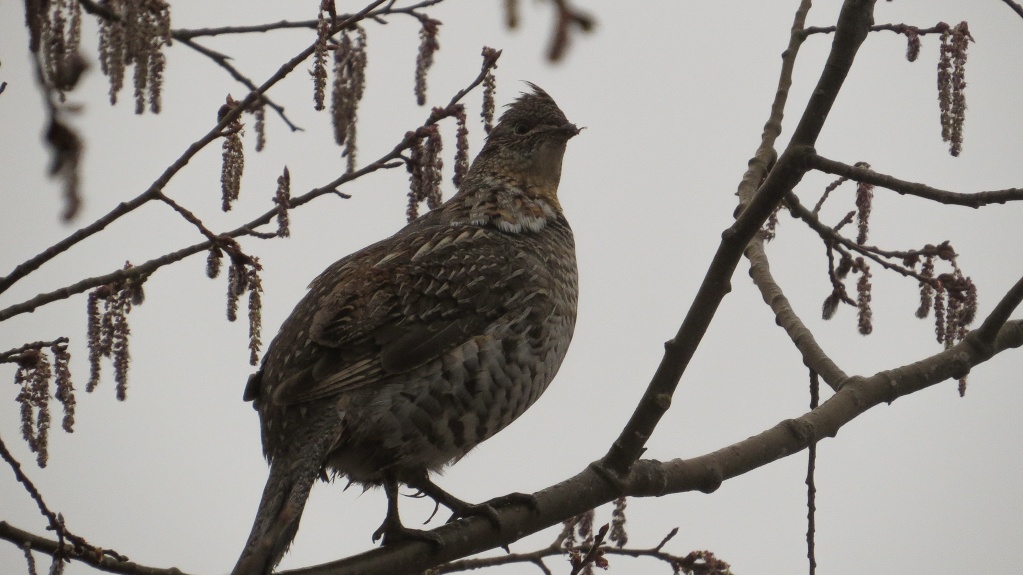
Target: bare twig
[183,35]
[897,28]
[51,517]
[222,61]
[992,326]
[78,545]
[971,200]
[811,488]
[102,561]
[188,34]
[842,243]
[12,355]
[1015,6]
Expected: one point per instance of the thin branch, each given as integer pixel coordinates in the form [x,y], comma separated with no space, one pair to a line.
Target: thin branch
[766,155]
[12,355]
[121,209]
[814,357]
[188,215]
[185,35]
[897,28]
[101,561]
[78,546]
[188,34]
[590,553]
[222,61]
[533,557]
[51,517]
[811,487]
[843,244]
[974,200]
[1015,7]
[117,276]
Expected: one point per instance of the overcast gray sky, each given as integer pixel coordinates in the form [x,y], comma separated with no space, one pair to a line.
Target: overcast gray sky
[674,96]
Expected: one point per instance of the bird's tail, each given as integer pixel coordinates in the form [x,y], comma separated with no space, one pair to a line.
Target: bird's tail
[292,474]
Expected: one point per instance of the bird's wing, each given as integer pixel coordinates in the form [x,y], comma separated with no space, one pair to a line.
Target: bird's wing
[386,312]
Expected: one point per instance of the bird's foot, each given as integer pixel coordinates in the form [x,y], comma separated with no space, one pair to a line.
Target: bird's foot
[391,531]
[488,509]
[462,509]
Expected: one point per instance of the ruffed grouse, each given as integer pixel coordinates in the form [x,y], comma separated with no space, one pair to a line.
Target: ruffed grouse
[407,354]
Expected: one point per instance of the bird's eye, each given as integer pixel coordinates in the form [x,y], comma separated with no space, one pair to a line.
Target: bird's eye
[522,128]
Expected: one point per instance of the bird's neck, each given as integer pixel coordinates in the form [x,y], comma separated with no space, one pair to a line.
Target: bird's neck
[507,201]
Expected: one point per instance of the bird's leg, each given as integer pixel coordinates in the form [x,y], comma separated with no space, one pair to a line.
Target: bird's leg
[391,530]
[460,509]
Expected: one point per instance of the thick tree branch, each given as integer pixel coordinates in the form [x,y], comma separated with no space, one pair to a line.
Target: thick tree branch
[974,200]
[51,517]
[853,23]
[705,473]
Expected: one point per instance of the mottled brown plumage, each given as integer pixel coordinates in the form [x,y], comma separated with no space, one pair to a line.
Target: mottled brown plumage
[405,355]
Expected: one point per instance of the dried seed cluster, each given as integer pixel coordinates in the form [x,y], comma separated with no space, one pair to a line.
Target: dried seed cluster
[56,34]
[135,37]
[952,84]
[33,374]
[349,85]
[282,198]
[233,163]
[107,312]
[424,166]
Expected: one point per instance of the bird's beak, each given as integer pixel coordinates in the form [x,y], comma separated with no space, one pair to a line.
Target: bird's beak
[571,130]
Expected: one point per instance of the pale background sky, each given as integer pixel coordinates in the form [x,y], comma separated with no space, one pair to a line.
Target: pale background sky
[674,96]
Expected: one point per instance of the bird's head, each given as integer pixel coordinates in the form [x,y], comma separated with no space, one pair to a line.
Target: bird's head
[528,142]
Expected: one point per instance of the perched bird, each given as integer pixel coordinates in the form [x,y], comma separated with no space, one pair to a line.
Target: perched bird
[405,355]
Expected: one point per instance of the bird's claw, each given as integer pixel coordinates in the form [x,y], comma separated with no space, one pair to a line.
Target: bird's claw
[488,509]
[391,532]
